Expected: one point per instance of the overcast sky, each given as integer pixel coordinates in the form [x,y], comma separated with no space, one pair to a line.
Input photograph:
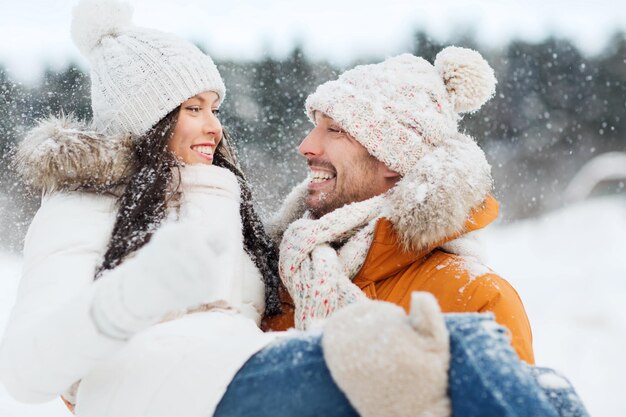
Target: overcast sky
[34,33]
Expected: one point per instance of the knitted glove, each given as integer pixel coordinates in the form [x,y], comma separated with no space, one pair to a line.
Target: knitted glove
[178,269]
[313,275]
[407,357]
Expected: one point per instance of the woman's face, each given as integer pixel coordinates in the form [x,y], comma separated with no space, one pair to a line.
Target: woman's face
[198,131]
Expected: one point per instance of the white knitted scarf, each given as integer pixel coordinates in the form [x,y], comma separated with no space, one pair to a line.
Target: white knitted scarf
[318,277]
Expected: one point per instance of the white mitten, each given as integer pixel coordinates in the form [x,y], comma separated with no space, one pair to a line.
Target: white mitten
[181,267]
[389,364]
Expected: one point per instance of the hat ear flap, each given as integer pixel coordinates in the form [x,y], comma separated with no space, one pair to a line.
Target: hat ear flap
[433,201]
[469,79]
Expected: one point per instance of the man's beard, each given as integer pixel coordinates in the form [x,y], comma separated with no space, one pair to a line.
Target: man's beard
[359,186]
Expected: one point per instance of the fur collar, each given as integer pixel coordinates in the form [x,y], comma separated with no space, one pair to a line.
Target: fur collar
[63,153]
[66,154]
[429,204]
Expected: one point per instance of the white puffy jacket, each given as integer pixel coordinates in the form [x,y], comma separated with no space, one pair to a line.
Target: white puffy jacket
[179,366]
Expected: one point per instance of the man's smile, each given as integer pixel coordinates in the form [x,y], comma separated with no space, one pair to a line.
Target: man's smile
[320,178]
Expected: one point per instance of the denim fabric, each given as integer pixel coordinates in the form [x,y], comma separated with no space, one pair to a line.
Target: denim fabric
[286,379]
[560,392]
[486,379]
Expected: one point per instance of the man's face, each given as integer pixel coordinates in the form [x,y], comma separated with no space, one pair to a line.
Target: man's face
[341,169]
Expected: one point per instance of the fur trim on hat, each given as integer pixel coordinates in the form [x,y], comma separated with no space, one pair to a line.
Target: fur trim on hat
[389,364]
[63,153]
[429,204]
[434,201]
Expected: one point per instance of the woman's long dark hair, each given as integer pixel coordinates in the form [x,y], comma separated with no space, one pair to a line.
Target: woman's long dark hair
[143,206]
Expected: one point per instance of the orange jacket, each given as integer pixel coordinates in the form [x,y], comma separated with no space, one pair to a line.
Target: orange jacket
[391,274]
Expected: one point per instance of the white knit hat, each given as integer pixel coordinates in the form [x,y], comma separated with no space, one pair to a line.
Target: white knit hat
[138,75]
[402,108]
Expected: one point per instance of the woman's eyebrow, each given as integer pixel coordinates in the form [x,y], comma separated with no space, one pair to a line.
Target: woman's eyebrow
[203,100]
[198,97]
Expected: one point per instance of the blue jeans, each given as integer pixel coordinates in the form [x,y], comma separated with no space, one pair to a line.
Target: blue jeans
[286,379]
[486,379]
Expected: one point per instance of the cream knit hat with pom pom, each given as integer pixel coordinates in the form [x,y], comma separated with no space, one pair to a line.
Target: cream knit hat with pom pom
[138,75]
[402,108]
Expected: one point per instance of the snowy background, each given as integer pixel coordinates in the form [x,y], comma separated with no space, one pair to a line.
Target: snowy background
[559,119]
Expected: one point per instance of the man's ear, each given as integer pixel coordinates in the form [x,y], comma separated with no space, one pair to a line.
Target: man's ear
[389,173]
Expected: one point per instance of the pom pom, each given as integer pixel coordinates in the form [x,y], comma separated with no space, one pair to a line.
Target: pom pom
[468,77]
[95,19]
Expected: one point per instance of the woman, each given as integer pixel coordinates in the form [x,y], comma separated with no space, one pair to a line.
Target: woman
[146,219]
[146,270]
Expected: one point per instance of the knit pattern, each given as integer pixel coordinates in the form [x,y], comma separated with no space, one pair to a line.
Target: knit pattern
[407,357]
[318,277]
[138,75]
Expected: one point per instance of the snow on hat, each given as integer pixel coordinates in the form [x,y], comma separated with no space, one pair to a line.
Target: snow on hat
[138,75]
[401,108]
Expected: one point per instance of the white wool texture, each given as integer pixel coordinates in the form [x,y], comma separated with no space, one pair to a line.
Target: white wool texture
[389,364]
[185,264]
[138,75]
[318,277]
[402,108]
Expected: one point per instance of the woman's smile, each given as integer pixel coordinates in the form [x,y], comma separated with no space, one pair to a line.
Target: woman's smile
[204,150]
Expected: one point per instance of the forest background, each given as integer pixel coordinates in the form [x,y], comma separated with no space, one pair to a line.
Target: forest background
[555,109]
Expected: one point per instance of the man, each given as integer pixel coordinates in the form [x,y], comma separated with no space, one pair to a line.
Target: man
[393,196]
